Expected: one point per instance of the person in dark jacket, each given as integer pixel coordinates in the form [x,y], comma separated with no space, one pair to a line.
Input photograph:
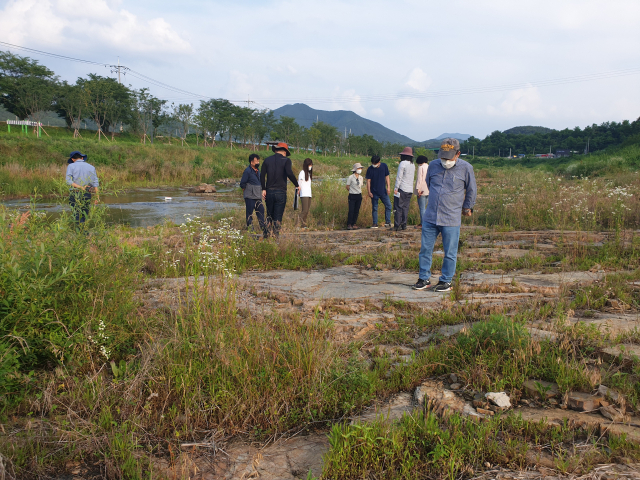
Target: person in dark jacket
[252,192]
[273,177]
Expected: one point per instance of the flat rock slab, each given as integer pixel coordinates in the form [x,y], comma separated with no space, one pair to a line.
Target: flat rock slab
[345,282]
[612,324]
[392,410]
[551,281]
[628,352]
[289,459]
[558,416]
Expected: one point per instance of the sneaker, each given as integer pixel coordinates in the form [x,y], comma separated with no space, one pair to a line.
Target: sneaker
[349,227]
[422,284]
[375,225]
[387,225]
[355,227]
[442,287]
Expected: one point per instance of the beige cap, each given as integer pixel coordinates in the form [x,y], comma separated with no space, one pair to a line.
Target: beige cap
[356,166]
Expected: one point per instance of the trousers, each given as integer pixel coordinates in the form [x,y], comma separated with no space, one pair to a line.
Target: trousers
[252,205]
[80,203]
[387,208]
[355,199]
[276,200]
[402,208]
[306,206]
[450,238]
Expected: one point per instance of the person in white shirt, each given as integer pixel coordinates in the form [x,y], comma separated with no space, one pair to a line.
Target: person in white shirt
[421,190]
[304,181]
[403,189]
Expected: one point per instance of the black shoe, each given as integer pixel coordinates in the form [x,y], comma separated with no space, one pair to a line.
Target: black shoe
[404,227]
[396,228]
[442,287]
[422,284]
[375,225]
[387,225]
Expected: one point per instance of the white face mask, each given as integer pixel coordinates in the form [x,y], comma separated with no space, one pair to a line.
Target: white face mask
[310,167]
[376,165]
[448,163]
[359,171]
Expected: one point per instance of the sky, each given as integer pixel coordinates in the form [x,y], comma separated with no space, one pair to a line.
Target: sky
[389,61]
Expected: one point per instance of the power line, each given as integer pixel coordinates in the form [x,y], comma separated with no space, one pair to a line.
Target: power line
[361,98]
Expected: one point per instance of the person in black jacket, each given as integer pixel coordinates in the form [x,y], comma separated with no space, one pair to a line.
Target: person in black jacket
[273,177]
[252,192]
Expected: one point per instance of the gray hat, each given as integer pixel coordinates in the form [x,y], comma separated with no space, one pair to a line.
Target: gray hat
[356,166]
[448,148]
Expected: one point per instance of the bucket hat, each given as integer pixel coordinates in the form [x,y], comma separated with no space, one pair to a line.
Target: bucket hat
[355,167]
[282,146]
[448,148]
[84,157]
[407,151]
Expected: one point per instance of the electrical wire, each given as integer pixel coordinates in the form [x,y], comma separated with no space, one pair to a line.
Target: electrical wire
[360,98]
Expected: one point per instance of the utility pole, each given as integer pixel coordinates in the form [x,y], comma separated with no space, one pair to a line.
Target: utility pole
[249,101]
[119,70]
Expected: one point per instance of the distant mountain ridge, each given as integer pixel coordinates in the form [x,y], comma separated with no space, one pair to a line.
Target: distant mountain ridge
[355,124]
[527,130]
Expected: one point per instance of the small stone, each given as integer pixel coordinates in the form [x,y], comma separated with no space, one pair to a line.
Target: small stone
[479,403]
[298,302]
[606,392]
[553,401]
[282,299]
[482,411]
[495,408]
[487,464]
[455,386]
[535,387]
[454,378]
[612,414]
[500,399]
[583,402]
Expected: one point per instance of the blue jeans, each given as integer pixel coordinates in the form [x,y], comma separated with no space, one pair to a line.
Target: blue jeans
[422,205]
[80,203]
[450,238]
[387,208]
[276,200]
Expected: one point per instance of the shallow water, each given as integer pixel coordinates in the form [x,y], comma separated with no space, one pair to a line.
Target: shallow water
[145,207]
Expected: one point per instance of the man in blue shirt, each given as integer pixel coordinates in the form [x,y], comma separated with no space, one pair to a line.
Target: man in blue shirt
[452,194]
[82,181]
[379,187]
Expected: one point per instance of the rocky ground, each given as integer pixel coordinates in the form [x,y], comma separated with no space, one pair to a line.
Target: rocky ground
[363,301]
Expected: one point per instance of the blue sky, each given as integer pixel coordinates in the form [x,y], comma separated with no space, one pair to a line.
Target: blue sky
[359,55]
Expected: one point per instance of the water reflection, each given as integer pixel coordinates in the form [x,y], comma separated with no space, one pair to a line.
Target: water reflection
[148,206]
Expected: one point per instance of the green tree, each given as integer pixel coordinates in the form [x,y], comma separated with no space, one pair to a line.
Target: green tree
[108,102]
[20,80]
[70,105]
[183,114]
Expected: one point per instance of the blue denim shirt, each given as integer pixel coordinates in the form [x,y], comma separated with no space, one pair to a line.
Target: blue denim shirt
[82,173]
[449,192]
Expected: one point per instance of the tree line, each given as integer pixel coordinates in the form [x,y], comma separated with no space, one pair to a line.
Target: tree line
[589,139]
[29,90]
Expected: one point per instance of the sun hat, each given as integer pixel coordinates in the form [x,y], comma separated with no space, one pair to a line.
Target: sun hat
[448,148]
[407,151]
[282,146]
[355,167]
[84,157]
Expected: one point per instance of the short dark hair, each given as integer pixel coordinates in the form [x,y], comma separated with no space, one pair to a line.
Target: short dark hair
[375,159]
[422,159]
[76,156]
[253,156]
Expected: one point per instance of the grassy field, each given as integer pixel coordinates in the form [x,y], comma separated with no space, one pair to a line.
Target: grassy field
[90,376]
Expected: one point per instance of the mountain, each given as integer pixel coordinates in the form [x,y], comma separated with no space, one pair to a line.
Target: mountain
[460,136]
[527,130]
[342,119]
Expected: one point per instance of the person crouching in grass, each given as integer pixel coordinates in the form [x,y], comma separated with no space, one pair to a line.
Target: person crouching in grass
[452,188]
[83,182]
[354,187]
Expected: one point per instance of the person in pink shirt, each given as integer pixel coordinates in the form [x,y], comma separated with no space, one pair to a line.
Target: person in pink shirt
[421,189]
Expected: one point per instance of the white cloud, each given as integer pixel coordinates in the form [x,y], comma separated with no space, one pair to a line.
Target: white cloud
[347,100]
[521,102]
[418,80]
[414,108]
[92,22]
[377,112]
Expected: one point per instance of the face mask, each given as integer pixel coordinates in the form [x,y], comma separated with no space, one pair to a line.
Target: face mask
[376,165]
[310,167]
[359,171]
[448,163]
[256,166]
